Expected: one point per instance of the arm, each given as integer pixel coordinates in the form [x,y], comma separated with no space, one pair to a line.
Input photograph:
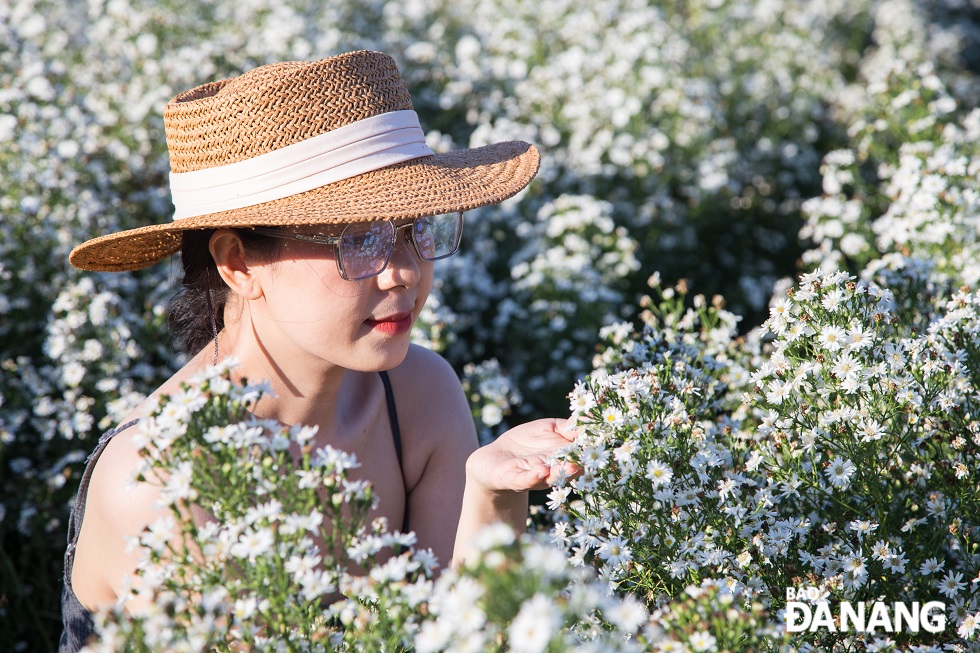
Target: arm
[117,510]
[454,488]
[438,436]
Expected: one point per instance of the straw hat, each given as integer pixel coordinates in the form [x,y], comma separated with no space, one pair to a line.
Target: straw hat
[299,143]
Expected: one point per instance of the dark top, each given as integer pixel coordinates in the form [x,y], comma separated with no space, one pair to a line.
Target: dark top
[77,621]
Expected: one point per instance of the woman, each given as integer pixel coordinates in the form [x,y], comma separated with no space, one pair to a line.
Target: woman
[308,215]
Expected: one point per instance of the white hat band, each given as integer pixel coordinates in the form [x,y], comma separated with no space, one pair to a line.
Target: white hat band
[342,153]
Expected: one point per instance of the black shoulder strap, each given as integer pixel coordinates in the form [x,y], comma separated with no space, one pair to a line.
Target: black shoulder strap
[396,436]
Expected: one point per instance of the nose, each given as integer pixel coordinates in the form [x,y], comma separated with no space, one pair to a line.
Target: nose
[404,267]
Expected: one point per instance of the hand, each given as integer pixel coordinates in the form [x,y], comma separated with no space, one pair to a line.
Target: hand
[519,459]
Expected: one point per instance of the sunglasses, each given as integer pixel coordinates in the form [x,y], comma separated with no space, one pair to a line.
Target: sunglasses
[363,250]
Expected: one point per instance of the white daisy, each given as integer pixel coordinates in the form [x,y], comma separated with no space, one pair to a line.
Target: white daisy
[832,337]
[659,473]
[931,566]
[535,625]
[702,641]
[951,584]
[839,472]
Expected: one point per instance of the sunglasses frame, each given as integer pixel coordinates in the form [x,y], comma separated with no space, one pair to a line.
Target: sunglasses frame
[335,241]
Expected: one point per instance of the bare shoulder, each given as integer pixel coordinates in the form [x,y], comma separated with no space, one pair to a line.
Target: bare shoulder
[424,371]
[433,413]
[117,509]
[426,385]
[123,504]
[128,503]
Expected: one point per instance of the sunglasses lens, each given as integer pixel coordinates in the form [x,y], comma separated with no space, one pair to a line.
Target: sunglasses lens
[365,248]
[437,236]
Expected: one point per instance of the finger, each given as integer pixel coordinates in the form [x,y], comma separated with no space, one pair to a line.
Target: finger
[562,470]
[534,478]
[566,429]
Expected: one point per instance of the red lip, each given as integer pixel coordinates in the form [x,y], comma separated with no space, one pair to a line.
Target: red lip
[393,324]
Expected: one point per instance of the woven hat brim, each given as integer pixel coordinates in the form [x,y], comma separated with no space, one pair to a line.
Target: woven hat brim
[442,183]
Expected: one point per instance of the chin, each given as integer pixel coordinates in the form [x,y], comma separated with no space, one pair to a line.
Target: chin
[387,359]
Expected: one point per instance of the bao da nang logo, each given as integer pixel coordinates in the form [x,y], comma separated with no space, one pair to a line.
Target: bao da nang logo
[808,609]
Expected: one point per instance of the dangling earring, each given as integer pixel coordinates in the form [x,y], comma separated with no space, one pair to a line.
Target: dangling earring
[214,326]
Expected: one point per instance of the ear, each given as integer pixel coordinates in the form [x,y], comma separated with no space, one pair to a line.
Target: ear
[228,252]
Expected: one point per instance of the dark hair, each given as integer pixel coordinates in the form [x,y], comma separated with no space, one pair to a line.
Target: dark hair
[197,311]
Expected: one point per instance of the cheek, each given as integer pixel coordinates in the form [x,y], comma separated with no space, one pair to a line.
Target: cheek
[426,278]
[312,280]
[304,292]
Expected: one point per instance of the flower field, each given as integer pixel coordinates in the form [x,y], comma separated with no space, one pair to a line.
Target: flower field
[749,268]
